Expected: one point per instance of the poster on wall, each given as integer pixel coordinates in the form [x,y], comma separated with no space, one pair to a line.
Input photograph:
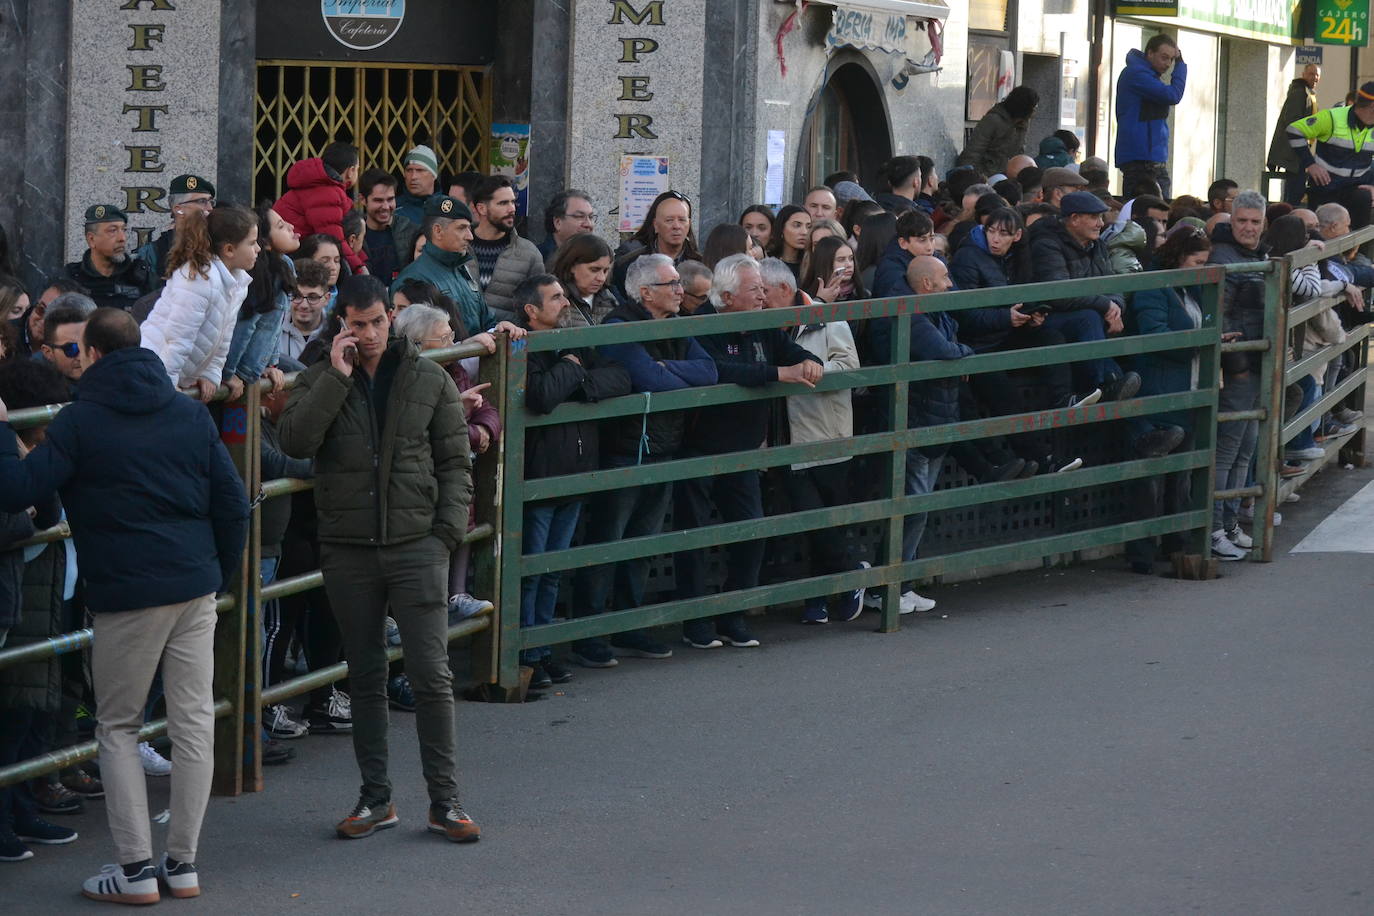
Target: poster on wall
[510,156]
[772,178]
[642,178]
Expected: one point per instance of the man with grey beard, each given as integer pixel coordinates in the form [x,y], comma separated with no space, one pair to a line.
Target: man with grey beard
[113,277]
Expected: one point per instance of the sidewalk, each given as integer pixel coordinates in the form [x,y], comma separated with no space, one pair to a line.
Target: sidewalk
[1064,741]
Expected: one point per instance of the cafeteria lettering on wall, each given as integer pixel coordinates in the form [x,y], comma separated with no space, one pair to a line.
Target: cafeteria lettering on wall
[144,92]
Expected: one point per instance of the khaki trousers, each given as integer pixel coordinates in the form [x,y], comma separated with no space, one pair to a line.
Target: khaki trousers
[127,648]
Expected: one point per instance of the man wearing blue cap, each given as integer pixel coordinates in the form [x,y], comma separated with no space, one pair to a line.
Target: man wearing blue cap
[1069,248]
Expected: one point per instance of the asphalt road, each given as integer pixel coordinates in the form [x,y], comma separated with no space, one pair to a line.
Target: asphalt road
[1067,741]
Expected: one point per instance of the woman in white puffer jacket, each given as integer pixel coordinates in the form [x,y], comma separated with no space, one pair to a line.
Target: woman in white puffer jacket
[192,323]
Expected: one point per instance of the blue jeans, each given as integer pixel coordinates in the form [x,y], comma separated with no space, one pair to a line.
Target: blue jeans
[1235,444]
[1077,327]
[1311,391]
[922,471]
[548,527]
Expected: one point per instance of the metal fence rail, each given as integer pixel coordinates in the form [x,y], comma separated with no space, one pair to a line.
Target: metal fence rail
[888,570]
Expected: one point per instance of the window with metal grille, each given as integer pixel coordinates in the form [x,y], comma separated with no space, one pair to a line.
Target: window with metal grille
[383,109]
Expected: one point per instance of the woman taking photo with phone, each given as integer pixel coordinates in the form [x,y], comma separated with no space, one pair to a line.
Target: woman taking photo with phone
[830,275]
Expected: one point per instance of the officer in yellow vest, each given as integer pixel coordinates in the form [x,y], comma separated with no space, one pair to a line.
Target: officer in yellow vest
[1338,163]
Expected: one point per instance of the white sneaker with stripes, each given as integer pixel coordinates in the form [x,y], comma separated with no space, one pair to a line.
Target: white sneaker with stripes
[112,886]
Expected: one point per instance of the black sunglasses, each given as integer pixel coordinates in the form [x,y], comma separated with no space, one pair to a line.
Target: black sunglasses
[70,350]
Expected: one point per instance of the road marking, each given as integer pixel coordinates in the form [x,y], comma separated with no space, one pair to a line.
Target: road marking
[1347,530]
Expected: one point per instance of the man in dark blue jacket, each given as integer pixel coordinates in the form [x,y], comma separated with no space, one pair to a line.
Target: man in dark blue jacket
[752,359]
[654,365]
[1143,101]
[158,517]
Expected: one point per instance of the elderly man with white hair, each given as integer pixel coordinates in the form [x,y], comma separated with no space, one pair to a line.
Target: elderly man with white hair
[655,290]
[753,359]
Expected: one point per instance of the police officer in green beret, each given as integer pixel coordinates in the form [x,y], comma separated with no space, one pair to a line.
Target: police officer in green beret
[114,278]
[184,194]
[446,262]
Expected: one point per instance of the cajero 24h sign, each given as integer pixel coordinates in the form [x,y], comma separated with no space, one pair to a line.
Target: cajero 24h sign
[1342,22]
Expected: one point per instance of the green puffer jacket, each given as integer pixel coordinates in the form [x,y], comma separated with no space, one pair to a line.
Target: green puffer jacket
[37,685]
[391,452]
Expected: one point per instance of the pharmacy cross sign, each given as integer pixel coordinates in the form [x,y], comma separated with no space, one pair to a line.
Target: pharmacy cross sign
[1342,22]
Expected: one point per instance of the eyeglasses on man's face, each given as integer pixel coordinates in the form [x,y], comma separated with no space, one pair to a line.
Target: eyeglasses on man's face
[313,298]
[70,350]
[674,283]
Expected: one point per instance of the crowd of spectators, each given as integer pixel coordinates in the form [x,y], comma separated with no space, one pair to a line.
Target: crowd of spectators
[349,270]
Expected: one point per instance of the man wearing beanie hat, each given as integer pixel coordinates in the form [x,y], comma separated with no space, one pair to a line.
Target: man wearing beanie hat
[185,194]
[1070,248]
[1344,149]
[420,168]
[446,263]
[113,277]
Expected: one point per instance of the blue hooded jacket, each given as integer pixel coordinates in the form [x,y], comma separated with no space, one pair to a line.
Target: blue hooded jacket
[157,512]
[1142,109]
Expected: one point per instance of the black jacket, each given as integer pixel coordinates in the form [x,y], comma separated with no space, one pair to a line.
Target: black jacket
[568,448]
[130,282]
[654,365]
[1056,255]
[974,267]
[157,512]
[16,527]
[1243,299]
[751,359]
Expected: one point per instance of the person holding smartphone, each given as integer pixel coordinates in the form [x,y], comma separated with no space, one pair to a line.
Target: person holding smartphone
[393,484]
[829,275]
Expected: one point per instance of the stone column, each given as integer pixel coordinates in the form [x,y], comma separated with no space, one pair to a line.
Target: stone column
[143,107]
[635,87]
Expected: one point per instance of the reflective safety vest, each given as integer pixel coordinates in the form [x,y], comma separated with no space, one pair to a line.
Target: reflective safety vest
[1344,145]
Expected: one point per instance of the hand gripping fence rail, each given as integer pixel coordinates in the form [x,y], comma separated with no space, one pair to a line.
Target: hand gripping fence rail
[503,493]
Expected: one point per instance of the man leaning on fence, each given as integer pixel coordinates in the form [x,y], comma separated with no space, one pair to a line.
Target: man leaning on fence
[158,516]
[393,484]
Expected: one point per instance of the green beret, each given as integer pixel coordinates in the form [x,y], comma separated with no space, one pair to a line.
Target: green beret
[190,184]
[441,206]
[105,213]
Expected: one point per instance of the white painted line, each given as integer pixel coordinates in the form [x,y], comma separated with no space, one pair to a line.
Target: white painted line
[1350,529]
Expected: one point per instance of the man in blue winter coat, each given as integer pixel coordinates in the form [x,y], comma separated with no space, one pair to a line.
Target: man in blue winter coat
[1143,100]
[158,517]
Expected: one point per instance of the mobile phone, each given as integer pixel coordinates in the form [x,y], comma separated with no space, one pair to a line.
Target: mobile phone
[1039,309]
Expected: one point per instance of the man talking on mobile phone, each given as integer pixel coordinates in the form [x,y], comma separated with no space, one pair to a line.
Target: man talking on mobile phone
[392,486]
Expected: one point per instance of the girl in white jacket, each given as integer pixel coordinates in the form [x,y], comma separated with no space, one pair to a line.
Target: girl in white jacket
[192,323]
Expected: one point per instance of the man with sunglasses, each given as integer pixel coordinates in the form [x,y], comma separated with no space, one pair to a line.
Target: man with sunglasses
[62,329]
[186,194]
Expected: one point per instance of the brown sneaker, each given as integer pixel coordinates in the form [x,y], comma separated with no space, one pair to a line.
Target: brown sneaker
[367,820]
[453,822]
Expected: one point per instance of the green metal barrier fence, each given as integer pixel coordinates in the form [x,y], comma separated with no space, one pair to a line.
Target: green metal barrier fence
[502,493]
[888,570]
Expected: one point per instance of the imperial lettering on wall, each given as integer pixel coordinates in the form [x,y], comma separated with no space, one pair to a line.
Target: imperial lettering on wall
[363,24]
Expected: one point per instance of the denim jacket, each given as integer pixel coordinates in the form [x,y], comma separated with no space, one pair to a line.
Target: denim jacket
[255,341]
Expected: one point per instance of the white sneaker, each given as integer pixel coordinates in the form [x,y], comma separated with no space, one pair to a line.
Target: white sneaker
[112,886]
[912,602]
[154,764]
[873,601]
[1292,497]
[1073,465]
[1223,549]
[463,606]
[1305,454]
[181,881]
[281,725]
[1238,537]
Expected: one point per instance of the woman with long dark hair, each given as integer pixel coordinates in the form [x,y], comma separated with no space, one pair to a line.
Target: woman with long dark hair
[791,237]
[760,222]
[583,265]
[830,276]
[723,241]
[253,349]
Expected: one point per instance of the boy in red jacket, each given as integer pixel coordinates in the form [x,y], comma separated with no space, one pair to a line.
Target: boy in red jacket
[318,197]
